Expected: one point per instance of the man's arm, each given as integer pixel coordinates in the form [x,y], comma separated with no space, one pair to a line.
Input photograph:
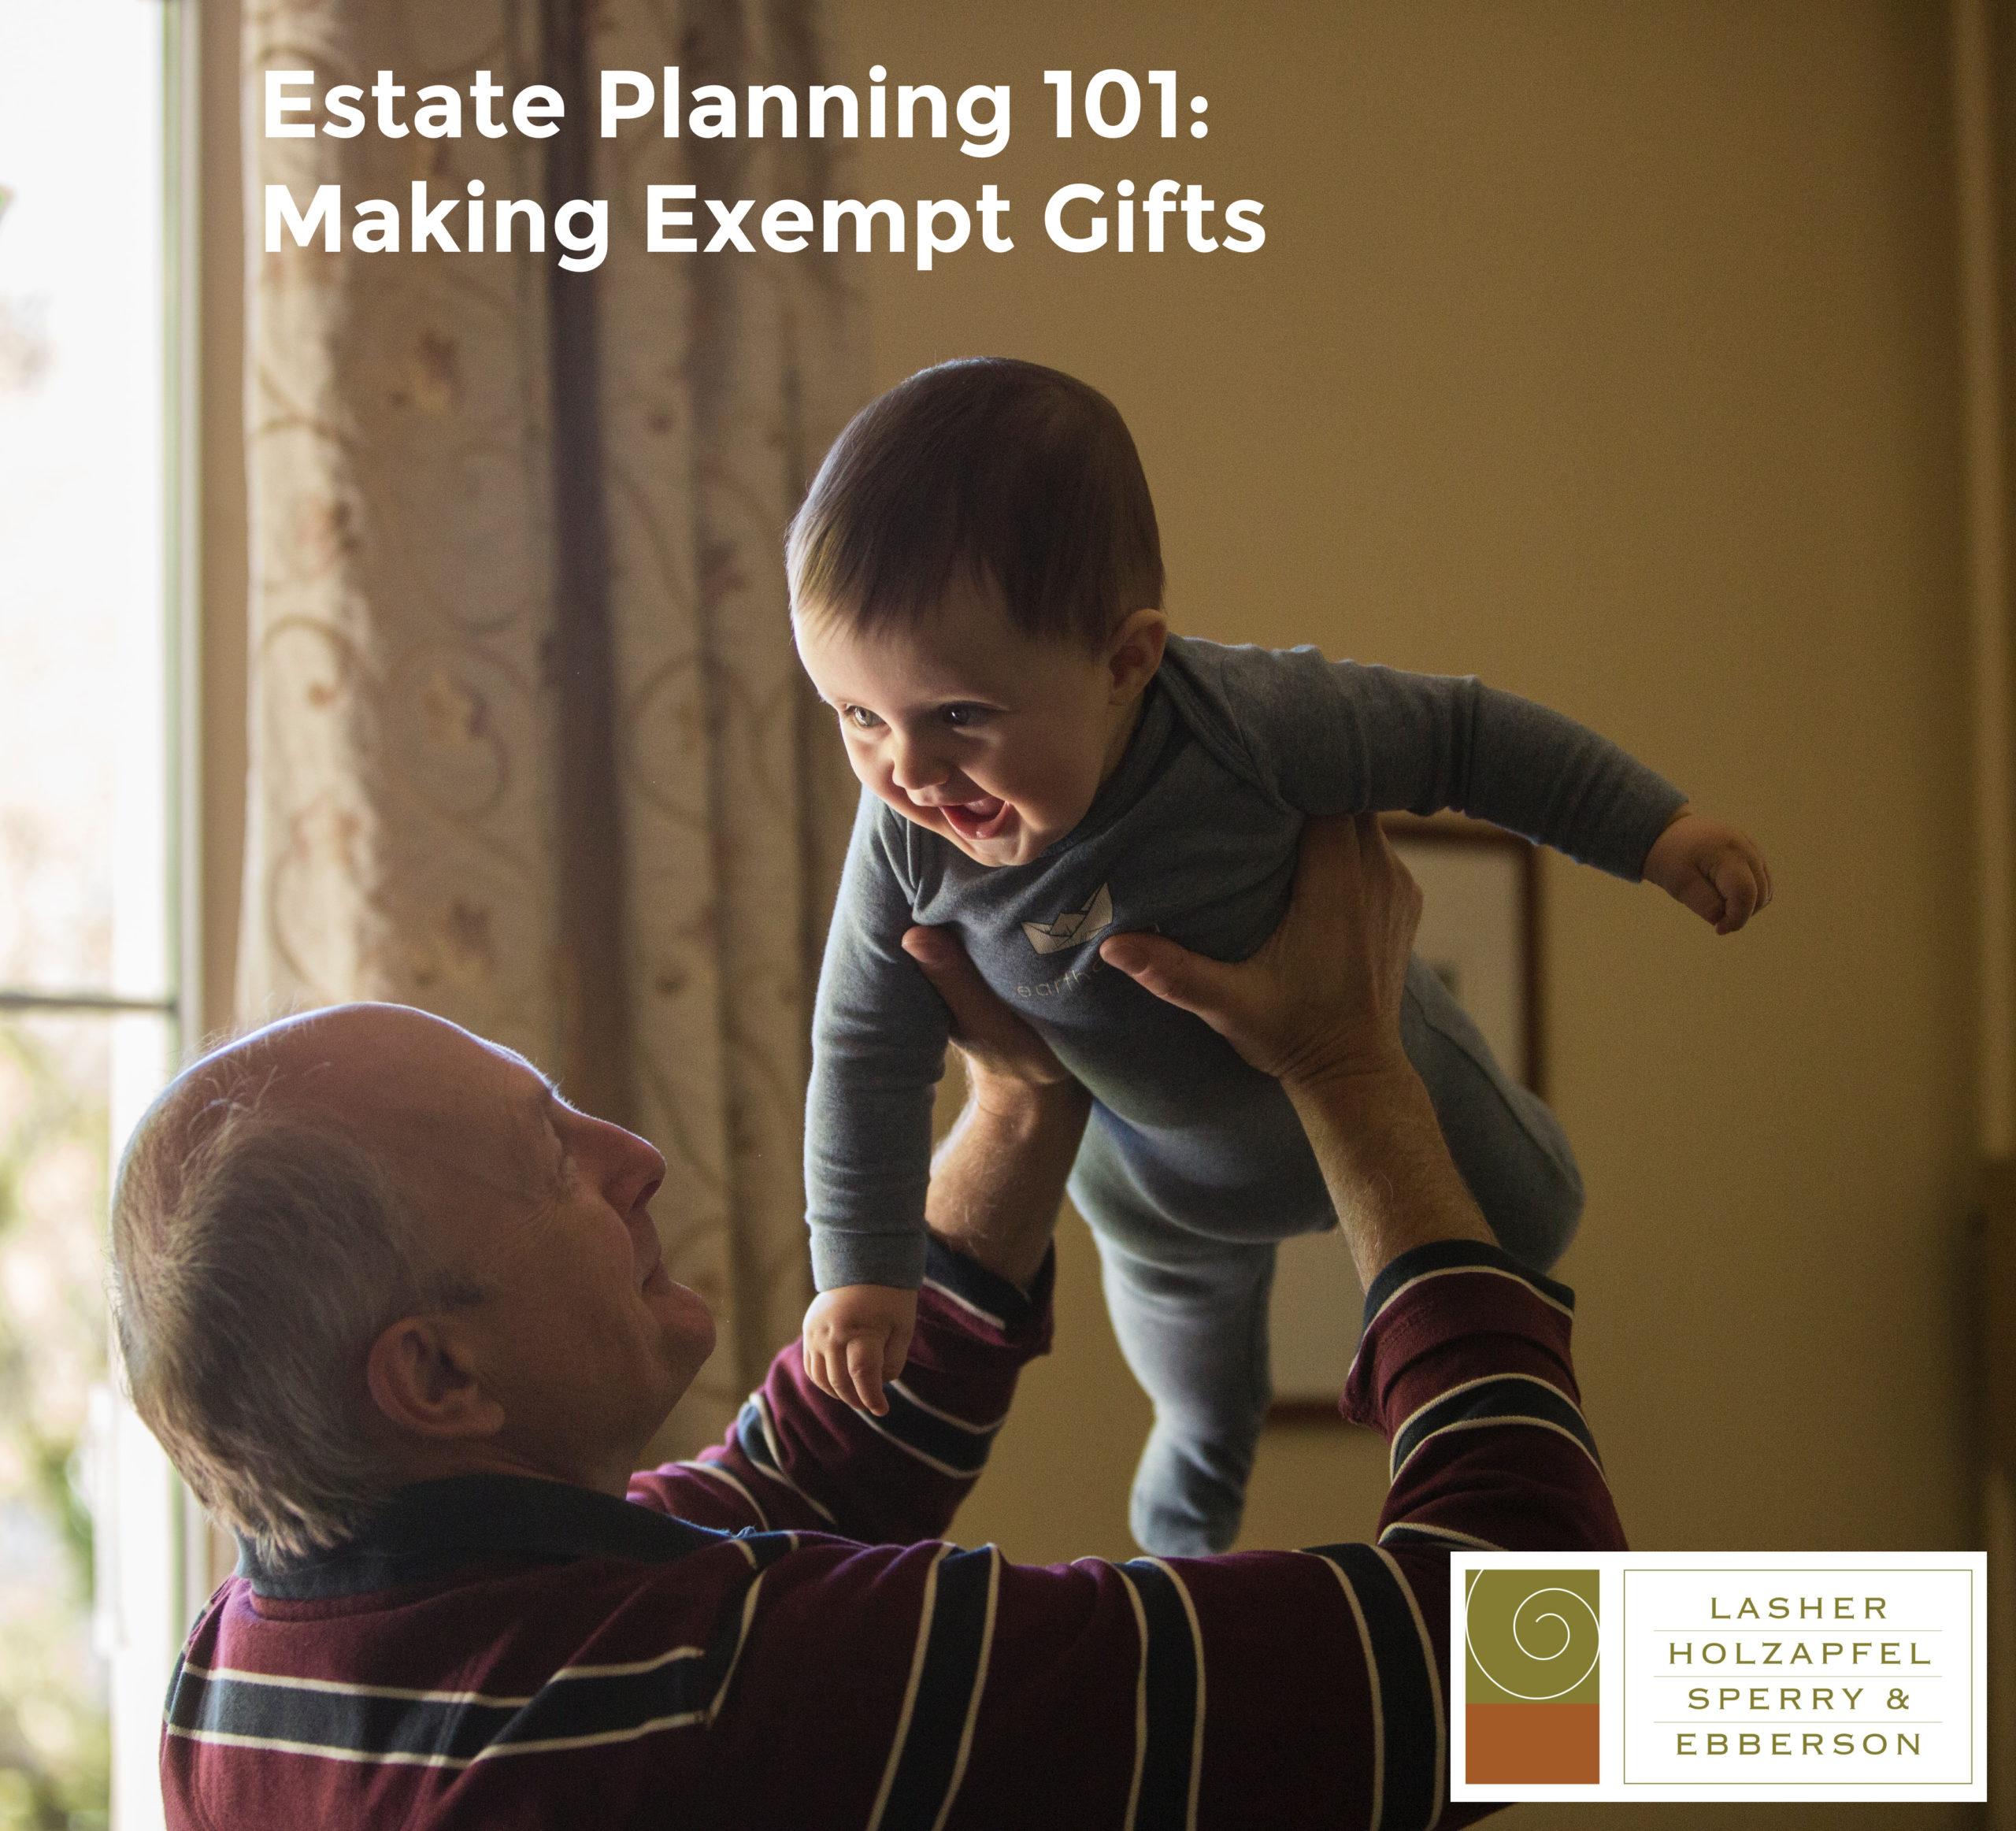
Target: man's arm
[1274,1687]
[997,1180]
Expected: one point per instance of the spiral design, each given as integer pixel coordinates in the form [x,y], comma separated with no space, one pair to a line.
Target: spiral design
[1540,1650]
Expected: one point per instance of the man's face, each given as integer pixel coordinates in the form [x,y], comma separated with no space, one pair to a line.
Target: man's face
[989,738]
[576,1330]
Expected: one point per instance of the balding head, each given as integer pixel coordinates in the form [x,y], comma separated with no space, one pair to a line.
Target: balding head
[342,1246]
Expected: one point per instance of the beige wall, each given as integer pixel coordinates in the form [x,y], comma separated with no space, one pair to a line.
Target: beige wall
[1609,353]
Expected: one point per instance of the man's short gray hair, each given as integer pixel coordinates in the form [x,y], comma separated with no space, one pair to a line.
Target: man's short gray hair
[258,1249]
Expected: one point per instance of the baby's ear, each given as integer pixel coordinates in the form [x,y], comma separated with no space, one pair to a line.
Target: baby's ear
[1134,651]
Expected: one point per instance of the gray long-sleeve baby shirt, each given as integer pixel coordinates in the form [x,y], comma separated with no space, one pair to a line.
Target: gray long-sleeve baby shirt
[1193,835]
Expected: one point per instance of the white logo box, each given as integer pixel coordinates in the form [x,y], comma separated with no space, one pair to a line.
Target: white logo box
[1768,1675]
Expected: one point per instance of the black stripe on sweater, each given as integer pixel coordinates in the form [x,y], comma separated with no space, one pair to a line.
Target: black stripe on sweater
[1409,1695]
[1510,1399]
[591,1703]
[433,1731]
[1002,1306]
[752,1431]
[1452,1255]
[955,1449]
[1174,1686]
[947,1692]
[357,1723]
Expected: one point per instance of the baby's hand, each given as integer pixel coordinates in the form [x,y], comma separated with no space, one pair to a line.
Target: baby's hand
[1714,869]
[857,1336]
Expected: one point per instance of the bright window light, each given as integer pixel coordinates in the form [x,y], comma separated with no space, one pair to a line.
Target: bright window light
[92,1596]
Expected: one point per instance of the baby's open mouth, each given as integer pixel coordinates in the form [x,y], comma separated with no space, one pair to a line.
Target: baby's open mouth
[981,818]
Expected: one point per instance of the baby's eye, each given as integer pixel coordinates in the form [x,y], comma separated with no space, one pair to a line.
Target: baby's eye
[961,716]
[860,717]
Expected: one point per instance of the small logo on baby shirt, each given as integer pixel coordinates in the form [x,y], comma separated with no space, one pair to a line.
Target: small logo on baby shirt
[1075,927]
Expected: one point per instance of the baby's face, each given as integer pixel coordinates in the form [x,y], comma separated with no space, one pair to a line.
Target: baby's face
[984,736]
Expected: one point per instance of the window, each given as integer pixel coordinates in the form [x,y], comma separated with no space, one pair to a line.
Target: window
[94,1535]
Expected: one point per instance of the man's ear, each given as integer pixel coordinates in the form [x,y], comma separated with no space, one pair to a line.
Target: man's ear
[422,1376]
[1134,651]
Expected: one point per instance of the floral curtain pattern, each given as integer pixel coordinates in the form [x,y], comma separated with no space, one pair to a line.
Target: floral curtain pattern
[515,558]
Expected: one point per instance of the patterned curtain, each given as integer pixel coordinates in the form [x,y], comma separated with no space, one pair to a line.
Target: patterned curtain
[530,747]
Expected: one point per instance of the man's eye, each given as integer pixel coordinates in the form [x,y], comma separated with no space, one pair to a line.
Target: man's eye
[860,717]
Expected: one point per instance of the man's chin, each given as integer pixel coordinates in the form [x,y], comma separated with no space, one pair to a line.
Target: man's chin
[687,1323]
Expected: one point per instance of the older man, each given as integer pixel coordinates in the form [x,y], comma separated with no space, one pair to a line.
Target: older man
[397,1311]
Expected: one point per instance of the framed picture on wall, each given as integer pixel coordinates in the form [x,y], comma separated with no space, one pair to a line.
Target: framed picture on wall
[1479,931]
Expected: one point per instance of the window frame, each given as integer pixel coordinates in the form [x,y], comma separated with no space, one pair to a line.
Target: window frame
[159,1569]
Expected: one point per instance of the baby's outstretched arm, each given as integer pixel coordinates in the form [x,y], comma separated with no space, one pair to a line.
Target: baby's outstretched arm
[856,1337]
[1714,868]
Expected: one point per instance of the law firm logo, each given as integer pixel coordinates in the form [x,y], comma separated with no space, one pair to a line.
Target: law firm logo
[1075,927]
[1533,1650]
[1649,1675]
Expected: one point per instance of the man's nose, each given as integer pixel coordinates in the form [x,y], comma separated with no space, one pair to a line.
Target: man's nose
[632,1167]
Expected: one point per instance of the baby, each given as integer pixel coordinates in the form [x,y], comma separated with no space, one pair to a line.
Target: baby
[977,590]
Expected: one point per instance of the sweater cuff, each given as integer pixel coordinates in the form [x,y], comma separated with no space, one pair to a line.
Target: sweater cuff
[1450,1255]
[1439,1294]
[984,1299]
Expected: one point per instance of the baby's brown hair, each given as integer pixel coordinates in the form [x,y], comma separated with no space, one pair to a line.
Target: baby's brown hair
[987,471]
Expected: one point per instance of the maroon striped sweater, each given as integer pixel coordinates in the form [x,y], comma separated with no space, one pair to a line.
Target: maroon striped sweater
[774,1636]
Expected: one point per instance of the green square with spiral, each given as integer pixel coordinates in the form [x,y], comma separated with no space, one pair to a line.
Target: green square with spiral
[1532,1636]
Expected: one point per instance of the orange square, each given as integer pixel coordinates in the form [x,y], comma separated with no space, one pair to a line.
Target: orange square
[1539,1744]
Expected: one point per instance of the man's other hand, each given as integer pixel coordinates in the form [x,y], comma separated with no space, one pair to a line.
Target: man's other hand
[1318,1007]
[1322,997]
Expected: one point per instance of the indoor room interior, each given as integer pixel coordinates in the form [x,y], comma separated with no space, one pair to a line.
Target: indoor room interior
[1652,362]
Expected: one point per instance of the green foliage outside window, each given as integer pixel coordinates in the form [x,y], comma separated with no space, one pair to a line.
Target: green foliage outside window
[54,1747]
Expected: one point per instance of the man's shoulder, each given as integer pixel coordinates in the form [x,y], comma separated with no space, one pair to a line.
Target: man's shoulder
[395,1695]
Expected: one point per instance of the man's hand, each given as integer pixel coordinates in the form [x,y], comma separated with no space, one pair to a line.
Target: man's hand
[1322,995]
[1714,868]
[856,1338]
[1318,1007]
[998,1046]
